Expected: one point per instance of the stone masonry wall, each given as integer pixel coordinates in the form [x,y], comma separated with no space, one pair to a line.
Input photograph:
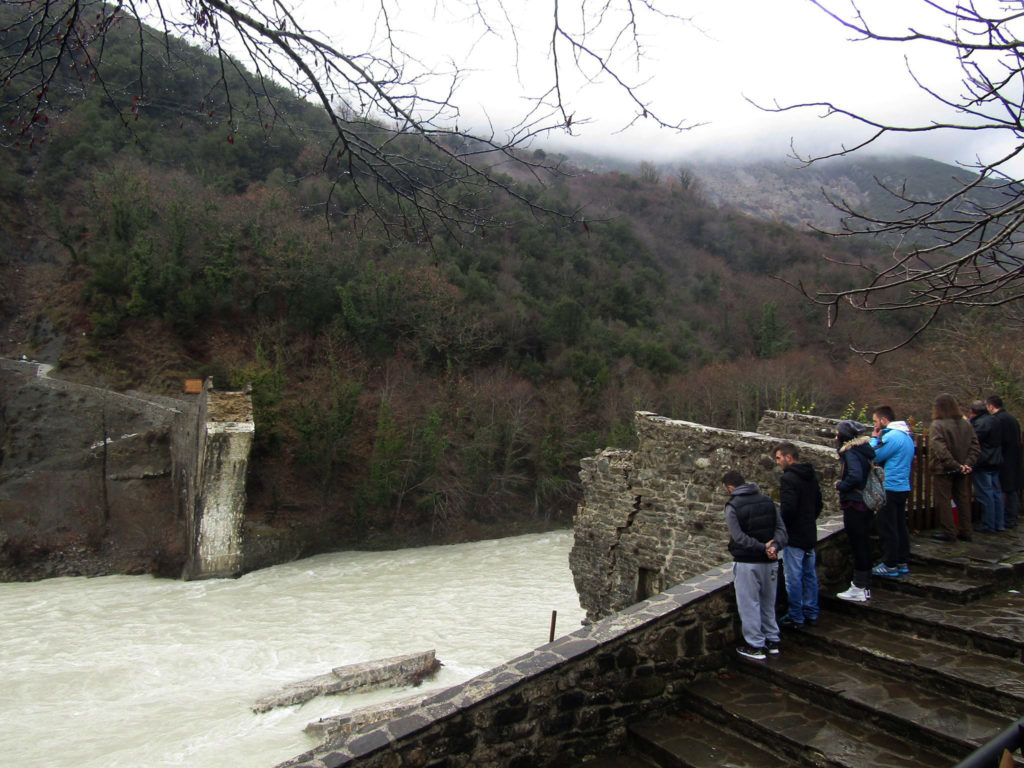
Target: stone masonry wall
[653,517]
[798,426]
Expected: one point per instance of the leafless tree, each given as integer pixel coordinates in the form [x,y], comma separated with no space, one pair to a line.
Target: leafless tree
[375,96]
[961,248]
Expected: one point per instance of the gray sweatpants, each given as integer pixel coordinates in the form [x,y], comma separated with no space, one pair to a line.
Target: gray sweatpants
[755,585]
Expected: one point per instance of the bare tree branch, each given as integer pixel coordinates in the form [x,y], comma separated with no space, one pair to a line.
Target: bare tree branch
[962,248]
[373,100]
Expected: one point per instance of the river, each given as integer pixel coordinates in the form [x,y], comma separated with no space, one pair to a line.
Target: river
[135,671]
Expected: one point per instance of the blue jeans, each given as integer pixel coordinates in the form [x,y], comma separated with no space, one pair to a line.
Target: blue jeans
[990,496]
[801,584]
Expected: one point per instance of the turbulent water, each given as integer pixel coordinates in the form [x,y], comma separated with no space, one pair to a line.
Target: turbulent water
[134,671]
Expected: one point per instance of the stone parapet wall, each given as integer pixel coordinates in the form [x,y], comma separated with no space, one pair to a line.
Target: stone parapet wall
[798,426]
[574,698]
[653,517]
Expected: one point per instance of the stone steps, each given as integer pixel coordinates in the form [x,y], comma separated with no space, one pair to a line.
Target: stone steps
[990,625]
[906,706]
[996,558]
[799,731]
[689,741]
[930,580]
[994,682]
[620,761]
[920,675]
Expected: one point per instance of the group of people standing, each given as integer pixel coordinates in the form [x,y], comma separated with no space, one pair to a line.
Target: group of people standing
[985,449]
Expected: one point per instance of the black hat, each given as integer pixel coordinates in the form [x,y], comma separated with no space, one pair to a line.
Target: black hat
[849,429]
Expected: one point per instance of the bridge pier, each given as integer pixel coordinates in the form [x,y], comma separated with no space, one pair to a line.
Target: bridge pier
[212,457]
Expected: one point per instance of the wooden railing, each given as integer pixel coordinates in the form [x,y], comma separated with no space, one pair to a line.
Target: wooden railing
[921,504]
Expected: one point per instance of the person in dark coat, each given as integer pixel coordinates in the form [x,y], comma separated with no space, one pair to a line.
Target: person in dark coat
[1011,474]
[855,457]
[986,471]
[953,451]
[800,503]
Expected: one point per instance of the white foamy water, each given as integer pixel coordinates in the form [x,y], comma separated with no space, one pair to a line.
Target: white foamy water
[134,671]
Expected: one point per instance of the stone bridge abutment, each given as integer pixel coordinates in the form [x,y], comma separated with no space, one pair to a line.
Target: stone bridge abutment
[96,481]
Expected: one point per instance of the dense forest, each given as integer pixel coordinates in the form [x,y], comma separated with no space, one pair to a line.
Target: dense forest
[415,388]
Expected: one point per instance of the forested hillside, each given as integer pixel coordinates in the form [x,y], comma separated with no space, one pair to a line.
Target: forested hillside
[408,389]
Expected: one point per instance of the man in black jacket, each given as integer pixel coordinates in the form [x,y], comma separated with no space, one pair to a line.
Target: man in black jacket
[986,470]
[756,534]
[800,497]
[1011,475]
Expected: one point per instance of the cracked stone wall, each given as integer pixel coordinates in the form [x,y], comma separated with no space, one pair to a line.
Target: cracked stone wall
[654,517]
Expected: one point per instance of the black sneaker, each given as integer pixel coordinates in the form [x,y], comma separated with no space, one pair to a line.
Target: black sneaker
[751,653]
[812,622]
[787,623]
[771,647]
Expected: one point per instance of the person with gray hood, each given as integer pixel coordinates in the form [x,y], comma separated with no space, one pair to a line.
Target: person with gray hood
[756,534]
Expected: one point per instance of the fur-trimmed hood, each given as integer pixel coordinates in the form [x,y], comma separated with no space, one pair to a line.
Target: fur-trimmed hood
[862,440]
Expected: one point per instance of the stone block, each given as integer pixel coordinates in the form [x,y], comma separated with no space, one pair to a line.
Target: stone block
[383,673]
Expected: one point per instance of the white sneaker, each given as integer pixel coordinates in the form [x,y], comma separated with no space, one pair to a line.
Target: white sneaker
[855,594]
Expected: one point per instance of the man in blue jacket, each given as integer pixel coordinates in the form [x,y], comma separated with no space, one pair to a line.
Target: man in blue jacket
[894,450]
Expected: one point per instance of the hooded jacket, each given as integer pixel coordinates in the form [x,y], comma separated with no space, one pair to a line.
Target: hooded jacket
[990,459]
[1010,476]
[800,500]
[952,442]
[855,457]
[753,520]
[894,450]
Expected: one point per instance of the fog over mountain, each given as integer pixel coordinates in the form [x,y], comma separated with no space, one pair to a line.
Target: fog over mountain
[784,191]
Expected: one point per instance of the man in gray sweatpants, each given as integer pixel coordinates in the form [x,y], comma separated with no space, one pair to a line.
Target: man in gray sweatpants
[756,534]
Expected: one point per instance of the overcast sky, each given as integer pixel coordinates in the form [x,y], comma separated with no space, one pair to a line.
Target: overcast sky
[699,70]
[704,70]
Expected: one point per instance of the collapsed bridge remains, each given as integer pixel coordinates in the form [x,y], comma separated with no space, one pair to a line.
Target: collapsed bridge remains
[95,481]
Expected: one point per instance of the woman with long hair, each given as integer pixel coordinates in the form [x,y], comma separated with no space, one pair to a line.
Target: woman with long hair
[953,451]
